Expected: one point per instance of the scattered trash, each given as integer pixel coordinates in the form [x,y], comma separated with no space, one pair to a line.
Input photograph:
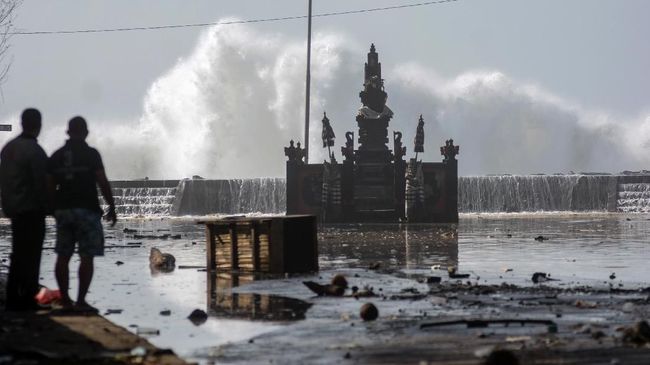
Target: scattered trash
[339,280]
[118,263]
[369,312]
[175,236]
[138,351]
[198,317]
[638,334]
[483,323]
[410,290]
[46,296]
[540,277]
[147,331]
[364,293]
[161,261]
[433,279]
[325,290]
[374,266]
[518,338]
[506,269]
[628,307]
[451,270]
[597,335]
[458,276]
[165,312]
[612,276]
[128,230]
[113,311]
[584,304]
[501,357]
[541,238]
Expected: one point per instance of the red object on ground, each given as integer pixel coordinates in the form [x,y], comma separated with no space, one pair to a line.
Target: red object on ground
[47,296]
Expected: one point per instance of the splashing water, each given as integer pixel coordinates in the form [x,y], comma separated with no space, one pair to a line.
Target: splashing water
[227,109]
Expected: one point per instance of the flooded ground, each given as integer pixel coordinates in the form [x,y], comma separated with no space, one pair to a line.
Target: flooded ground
[280,320]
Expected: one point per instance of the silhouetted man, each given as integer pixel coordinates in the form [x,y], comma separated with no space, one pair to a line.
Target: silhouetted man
[24,200]
[74,172]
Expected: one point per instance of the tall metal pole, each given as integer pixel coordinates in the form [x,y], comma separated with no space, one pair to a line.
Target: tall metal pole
[308,86]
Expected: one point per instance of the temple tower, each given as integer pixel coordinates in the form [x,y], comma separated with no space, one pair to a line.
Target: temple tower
[373,182]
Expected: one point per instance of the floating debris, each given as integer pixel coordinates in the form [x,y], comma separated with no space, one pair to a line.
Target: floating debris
[159,261]
[501,357]
[638,334]
[325,290]
[369,312]
[198,317]
[374,266]
[340,280]
[541,277]
[147,331]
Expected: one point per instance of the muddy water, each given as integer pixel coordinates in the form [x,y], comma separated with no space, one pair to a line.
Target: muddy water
[582,249]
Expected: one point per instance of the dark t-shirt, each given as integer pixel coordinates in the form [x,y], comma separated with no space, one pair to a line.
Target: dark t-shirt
[73,167]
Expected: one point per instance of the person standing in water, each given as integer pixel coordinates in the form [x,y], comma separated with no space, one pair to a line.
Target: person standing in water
[74,172]
[24,200]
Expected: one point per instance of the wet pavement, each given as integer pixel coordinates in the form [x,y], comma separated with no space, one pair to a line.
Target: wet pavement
[279,320]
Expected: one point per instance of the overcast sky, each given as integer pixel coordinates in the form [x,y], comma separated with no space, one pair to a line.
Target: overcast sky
[594,53]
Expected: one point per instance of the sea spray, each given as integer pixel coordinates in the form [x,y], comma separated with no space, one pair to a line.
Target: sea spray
[227,109]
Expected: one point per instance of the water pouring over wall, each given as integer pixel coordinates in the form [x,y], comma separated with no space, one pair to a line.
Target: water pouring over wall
[476,194]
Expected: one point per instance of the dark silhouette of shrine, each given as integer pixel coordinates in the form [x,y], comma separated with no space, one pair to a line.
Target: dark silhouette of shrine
[373,183]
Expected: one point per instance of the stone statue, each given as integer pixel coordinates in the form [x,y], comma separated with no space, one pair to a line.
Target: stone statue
[293,153]
[348,150]
[398,150]
[449,150]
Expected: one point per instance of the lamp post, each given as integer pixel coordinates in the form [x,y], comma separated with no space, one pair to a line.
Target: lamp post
[307,87]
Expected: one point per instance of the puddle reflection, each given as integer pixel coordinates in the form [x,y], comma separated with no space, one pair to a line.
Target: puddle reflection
[417,246]
[223,303]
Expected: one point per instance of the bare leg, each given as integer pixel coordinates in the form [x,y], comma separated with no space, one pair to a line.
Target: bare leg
[62,273]
[86,269]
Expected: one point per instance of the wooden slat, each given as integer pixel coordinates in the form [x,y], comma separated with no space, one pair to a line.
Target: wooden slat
[234,262]
[255,238]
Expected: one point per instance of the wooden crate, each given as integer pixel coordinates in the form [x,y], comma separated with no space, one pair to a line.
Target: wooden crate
[276,245]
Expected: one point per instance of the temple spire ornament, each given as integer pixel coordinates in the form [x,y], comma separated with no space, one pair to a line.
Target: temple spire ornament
[327,134]
[419,137]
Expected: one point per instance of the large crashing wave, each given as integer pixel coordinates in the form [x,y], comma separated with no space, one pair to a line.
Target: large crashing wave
[228,108]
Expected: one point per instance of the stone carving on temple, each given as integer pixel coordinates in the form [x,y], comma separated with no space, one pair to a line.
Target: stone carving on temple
[398,150]
[449,150]
[348,150]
